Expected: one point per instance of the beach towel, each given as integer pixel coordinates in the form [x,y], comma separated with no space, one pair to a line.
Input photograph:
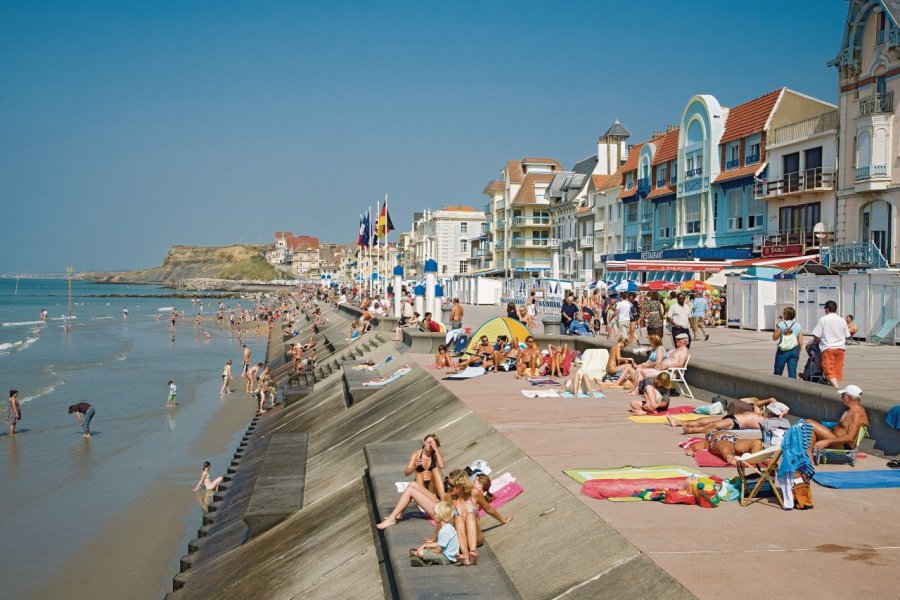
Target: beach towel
[607,489]
[893,417]
[858,480]
[467,373]
[503,495]
[541,381]
[630,472]
[540,393]
[705,458]
[644,419]
[499,482]
[381,381]
[677,410]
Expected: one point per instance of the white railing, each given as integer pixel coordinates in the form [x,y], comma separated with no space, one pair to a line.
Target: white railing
[531,221]
[587,241]
[803,129]
[529,242]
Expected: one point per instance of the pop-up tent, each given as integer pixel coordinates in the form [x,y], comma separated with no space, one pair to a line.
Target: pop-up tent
[498,326]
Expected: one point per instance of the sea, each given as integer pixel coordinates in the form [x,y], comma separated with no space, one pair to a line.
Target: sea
[109,517]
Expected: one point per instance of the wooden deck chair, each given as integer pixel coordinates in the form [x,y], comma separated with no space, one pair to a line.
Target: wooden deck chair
[886,330]
[821,456]
[593,363]
[678,378]
[749,465]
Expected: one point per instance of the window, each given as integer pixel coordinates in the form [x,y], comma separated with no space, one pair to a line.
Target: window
[732,156]
[661,177]
[692,215]
[756,216]
[863,149]
[464,227]
[663,221]
[735,214]
[631,243]
[689,166]
[463,245]
[753,148]
[629,179]
[463,267]
[631,213]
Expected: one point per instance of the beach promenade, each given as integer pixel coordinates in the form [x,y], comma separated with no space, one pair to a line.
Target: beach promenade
[847,547]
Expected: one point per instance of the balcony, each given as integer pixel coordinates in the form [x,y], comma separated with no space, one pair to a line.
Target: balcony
[871,172]
[498,245]
[876,103]
[661,182]
[864,254]
[586,241]
[811,180]
[673,180]
[531,221]
[647,226]
[631,217]
[804,237]
[501,224]
[643,186]
[691,173]
[732,164]
[752,159]
[530,263]
[522,242]
[801,130]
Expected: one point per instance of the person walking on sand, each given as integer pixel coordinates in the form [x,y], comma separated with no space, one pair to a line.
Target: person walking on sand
[13,411]
[84,412]
[210,485]
[246,368]
[226,378]
[173,392]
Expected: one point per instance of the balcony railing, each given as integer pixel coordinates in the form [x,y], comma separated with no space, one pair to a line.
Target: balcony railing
[732,164]
[810,180]
[864,254]
[673,180]
[691,173]
[871,172]
[800,130]
[893,38]
[879,37]
[661,182]
[501,224]
[521,242]
[631,217]
[805,237]
[876,103]
[586,241]
[498,244]
[531,221]
[647,226]
[752,159]
[643,186]
[530,263]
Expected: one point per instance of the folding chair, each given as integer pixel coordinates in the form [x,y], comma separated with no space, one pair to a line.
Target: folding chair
[678,377]
[749,464]
[887,329]
[821,456]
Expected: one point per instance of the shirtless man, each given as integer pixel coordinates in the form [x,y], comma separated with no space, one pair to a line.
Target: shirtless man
[843,435]
[456,315]
[529,358]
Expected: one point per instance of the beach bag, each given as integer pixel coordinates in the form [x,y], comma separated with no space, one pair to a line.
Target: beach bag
[802,491]
[715,408]
[788,340]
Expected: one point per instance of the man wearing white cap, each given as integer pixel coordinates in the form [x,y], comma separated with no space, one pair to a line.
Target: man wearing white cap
[843,435]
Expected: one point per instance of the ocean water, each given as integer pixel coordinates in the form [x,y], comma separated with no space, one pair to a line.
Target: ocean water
[68,503]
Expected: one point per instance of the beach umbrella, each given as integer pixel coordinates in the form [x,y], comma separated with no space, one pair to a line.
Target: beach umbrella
[695,285]
[627,286]
[498,326]
[659,285]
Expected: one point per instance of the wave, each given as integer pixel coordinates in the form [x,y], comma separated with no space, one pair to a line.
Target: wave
[21,323]
[101,318]
[165,308]
[20,345]
[49,389]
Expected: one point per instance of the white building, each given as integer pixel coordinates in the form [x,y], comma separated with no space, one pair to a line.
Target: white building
[443,235]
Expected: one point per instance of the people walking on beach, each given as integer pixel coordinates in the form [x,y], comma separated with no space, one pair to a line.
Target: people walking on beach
[831,333]
[173,392]
[699,307]
[13,411]
[246,368]
[226,378]
[210,485]
[173,317]
[789,335]
[84,412]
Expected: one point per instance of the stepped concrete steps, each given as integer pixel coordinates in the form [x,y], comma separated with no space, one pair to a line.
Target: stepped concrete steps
[324,551]
[278,492]
[385,463]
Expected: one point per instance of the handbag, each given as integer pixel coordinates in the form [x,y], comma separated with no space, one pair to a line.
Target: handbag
[789,341]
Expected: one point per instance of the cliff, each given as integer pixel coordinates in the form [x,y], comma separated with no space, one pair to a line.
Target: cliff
[240,261]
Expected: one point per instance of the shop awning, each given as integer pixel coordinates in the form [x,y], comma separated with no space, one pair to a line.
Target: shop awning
[670,266]
[779,263]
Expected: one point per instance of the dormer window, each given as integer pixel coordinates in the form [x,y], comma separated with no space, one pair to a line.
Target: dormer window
[879,37]
[732,156]
[753,145]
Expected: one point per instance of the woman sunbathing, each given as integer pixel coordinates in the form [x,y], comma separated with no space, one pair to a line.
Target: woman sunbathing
[427,463]
[442,359]
[557,357]
[504,350]
[628,378]
[724,445]
[529,358]
[740,420]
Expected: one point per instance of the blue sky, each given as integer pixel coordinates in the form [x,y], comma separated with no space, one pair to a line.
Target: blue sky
[127,127]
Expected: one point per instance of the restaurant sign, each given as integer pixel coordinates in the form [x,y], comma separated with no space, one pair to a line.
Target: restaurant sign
[782,251]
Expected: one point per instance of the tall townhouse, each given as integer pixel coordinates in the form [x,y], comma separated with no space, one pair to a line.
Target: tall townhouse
[798,183]
[520,221]
[443,235]
[657,164]
[631,228]
[603,197]
[869,157]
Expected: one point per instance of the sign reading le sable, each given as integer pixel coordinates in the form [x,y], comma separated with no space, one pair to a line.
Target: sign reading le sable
[786,250]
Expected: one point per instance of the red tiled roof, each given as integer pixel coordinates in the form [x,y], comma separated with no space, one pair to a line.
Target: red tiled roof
[666,147]
[749,117]
[607,182]
[526,192]
[753,169]
[583,210]
[660,192]
[494,186]
[633,154]
[460,208]
[514,171]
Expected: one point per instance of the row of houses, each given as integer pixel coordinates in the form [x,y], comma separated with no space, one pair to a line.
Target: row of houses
[779,175]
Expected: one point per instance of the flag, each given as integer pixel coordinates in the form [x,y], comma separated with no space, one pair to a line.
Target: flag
[359,239]
[364,232]
[385,226]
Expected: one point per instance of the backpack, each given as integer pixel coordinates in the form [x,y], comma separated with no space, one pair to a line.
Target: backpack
[635,312]
[789,341]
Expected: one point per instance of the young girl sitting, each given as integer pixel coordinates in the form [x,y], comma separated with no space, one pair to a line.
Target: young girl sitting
[442,359]
[656,391]
[442,547]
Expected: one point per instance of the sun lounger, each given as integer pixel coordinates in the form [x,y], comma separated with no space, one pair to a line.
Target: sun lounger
[821,456]
[887,329]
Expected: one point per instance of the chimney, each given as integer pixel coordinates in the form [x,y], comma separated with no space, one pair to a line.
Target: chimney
[671,128]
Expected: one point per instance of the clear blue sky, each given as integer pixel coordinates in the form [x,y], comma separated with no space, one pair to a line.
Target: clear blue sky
[127,127]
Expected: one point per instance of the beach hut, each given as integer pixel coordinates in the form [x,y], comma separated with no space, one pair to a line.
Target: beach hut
[855,299]
[498,326]
[883,288]
[807,287]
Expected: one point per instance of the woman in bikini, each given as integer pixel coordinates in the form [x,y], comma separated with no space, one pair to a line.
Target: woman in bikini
[442,359]
[741,420]
[226,378]
[629,372]
[427,463]
[529,358]
[210,485]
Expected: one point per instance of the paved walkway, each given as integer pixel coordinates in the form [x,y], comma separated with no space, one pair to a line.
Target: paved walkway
[876,369]
[847,547]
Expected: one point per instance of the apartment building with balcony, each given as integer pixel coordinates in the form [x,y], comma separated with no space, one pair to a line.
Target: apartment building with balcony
[566,193]
[603,197]
[661,155]
[868,66]
[630,202]
[443,235]
[519,217]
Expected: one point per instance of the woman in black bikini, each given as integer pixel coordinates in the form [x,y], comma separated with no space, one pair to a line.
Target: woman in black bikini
[427,463]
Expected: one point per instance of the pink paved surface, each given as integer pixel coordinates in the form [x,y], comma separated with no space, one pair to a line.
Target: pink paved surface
[847,547]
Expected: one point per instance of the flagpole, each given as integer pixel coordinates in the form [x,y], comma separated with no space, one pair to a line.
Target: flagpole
[368,249]
[384,245]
